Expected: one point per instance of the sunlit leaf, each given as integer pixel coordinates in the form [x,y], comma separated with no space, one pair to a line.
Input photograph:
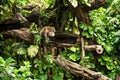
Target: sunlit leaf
[109,67]
[32,50]
[49,58]
[74,3]
[21,51]
[108,48]
[73,57]
[73,49]
[106,58]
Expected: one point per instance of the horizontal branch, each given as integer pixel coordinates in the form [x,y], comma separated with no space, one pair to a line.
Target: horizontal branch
[98,48]
[22,33]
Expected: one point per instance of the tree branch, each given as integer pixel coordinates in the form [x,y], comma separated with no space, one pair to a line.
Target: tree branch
[79,70]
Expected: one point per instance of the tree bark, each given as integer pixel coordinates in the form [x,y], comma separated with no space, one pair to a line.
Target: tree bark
[79,70]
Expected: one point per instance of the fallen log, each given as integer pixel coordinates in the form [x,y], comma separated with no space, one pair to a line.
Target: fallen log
[79,70]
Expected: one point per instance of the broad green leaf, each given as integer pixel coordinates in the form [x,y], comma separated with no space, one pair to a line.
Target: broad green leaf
[109,67]
[37,37]
[102,62]
[73,57]
[21,51]
[84,33]
[32,51]
[73,49]
[106,58]
[108,48]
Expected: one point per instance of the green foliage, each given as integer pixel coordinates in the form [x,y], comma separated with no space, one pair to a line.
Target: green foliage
[72,53]
[6,68]
[23,73]
[32,50]
[105,30]
[4,9]
[43,68]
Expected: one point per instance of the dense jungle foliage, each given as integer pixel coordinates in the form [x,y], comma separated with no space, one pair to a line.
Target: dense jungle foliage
[18,59]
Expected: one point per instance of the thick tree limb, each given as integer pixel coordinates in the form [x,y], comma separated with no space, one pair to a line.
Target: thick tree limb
[22,33]
[78,70]
[10,24]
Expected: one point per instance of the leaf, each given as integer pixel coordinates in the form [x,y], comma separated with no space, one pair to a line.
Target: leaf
[58,77]
[49,58]
[73,49]
[1,68]
[37,37]
[43,77]
[84,33]
[74,3]
[109,67]
[102,62]
[112,75]
[8,48]
[21,51]
[87,3]
[9,61]
[73,57]
[2,61]
[108,48]
[106,58]
[32,50]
